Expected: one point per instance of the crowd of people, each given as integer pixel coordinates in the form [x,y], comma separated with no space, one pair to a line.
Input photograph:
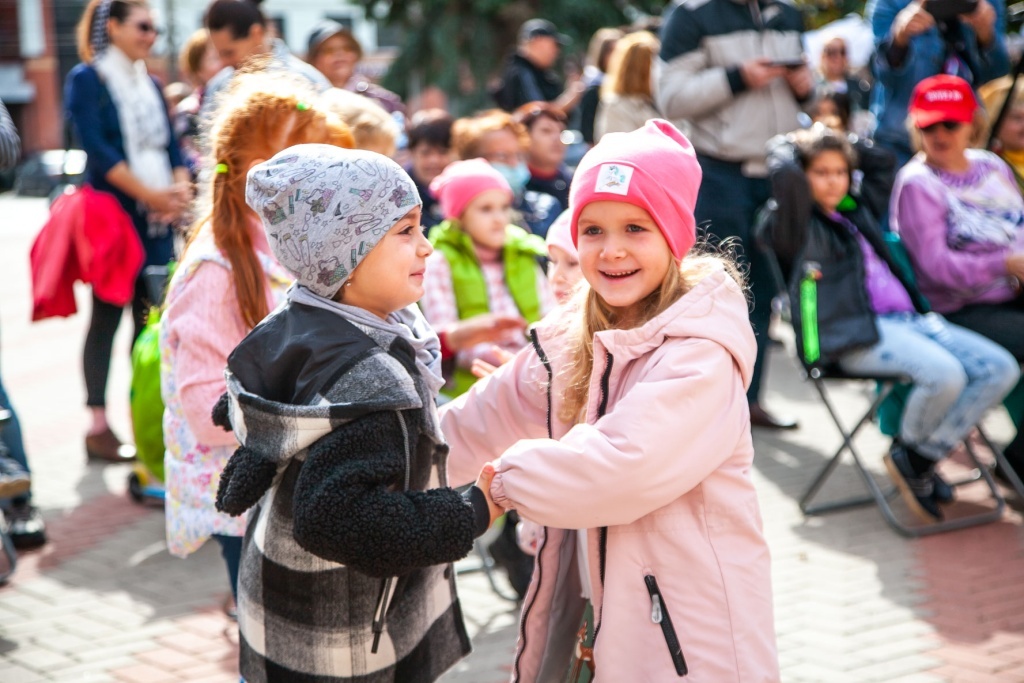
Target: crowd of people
[370,305]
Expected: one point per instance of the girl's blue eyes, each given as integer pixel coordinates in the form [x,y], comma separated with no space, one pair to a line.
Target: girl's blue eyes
[595,230]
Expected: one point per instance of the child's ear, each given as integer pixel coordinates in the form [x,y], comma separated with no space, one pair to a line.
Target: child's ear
[254,162]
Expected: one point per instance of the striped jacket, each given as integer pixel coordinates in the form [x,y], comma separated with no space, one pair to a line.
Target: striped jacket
[10,144]
[699,86]
[344,573]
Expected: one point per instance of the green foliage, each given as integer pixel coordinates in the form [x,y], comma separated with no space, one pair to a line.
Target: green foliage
[820,12]
[460,45]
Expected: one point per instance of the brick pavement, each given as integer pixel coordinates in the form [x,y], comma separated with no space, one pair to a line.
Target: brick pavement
[105,602]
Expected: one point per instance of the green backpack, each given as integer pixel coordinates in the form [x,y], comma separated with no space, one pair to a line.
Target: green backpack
[146,402]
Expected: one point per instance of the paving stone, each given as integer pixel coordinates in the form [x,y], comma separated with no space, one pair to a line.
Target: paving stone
[14,673]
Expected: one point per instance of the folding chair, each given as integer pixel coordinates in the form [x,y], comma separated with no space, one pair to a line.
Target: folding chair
[819,375]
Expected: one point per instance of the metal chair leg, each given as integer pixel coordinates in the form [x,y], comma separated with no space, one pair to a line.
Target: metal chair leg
[880,498]
[1003,463]
[833,463]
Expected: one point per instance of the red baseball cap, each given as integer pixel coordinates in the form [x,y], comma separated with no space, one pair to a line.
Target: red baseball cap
[942,98]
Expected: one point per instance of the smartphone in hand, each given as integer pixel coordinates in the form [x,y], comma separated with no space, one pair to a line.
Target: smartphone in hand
[792,63]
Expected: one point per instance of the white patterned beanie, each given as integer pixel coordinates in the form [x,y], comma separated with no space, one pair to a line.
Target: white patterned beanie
[324,208]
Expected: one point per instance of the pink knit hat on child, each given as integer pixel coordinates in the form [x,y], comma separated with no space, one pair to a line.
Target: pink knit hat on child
[653,167]
[560,234]
[461,181]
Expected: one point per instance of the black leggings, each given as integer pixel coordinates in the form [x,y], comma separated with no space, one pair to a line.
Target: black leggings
[99,341]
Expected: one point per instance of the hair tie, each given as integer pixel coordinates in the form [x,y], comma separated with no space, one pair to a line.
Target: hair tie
[303,106]
[98,38]
[220,168]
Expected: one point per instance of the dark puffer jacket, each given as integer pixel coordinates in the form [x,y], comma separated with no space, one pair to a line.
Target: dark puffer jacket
[800,233]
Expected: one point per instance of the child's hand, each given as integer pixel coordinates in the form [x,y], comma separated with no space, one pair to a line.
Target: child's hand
[495,358]
[487,327]
[483,482]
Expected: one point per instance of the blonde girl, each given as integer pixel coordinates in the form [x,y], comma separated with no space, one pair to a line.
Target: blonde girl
[627,100]
[624,430]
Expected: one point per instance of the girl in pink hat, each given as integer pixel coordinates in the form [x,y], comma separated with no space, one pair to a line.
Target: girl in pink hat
[481,264]
[624,430]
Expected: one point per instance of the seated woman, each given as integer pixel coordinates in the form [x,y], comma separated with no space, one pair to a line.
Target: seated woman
[960,214]
[872,319]
[1008,139]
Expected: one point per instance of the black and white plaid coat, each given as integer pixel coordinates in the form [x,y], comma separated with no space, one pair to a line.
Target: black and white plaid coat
[344,573]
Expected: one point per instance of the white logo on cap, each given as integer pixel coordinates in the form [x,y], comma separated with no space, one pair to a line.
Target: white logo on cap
[944,96]
[613,178]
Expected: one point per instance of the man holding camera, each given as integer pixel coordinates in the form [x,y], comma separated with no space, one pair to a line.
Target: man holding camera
[916,39]
[731,74]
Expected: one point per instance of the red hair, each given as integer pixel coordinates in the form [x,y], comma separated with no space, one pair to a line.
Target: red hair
[258,119]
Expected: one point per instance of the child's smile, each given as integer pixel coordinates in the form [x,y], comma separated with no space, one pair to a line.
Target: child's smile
[623,254]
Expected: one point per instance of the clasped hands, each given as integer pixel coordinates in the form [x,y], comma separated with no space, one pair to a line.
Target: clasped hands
[483,482]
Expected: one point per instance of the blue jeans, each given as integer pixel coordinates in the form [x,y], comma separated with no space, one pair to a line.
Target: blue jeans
[957,376]
[10,436]
[231,551]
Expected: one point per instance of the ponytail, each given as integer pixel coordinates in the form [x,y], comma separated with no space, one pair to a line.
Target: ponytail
[260,116]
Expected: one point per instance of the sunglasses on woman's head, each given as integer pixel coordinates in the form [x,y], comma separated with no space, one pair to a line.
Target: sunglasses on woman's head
[948,125]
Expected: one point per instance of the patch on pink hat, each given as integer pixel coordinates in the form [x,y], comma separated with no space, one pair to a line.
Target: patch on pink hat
[614,179]
[654,168]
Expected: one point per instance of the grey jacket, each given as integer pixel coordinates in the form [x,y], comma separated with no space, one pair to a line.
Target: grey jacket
[698,81]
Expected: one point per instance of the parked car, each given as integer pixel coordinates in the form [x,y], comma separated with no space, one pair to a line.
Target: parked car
[40,174]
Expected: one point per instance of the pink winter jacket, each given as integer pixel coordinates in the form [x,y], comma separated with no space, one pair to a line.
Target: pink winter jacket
[658,475]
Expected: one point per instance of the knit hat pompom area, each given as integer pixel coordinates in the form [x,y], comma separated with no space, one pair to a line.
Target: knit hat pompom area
[654,168]
[324,208]
[462,181]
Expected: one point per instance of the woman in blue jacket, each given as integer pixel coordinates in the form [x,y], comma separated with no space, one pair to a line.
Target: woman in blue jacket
[913,43]
[121,121]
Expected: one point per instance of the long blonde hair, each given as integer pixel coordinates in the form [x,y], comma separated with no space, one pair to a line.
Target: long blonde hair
[629,67]
[594,315]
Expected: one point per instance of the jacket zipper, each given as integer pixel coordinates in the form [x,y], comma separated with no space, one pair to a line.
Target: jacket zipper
[540,567]
[547,366]
[380,612]
[602,545]
[660,616]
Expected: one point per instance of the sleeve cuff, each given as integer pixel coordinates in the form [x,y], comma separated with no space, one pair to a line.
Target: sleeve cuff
[894,55]
[481,513]
[498,494]
[446,351]
[735,78]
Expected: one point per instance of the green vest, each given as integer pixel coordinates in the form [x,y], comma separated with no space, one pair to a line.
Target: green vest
[519,256]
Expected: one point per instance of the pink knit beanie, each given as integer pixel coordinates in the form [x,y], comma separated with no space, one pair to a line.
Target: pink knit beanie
[653,167]
[461,181]
[560,235]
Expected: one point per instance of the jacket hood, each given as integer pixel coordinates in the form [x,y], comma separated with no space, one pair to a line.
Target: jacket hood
[278,431]
[715,308]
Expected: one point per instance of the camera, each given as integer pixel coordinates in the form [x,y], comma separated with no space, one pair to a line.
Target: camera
[947,10]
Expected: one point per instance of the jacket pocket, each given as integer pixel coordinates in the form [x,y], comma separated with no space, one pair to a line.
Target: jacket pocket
[660,616]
